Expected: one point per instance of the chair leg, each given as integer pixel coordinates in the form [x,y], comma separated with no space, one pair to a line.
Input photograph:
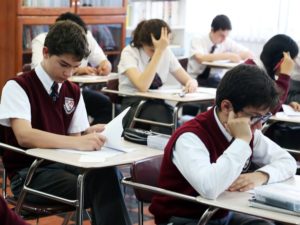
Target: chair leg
[37,220]
[207,215]
[140,213]
[67,218]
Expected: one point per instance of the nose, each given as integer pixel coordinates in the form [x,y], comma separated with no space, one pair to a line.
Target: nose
[69,72]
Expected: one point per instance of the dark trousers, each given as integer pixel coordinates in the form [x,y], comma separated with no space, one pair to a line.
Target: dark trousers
[232,219]
[155,110]
[294,92]
[102,192]
[98,105]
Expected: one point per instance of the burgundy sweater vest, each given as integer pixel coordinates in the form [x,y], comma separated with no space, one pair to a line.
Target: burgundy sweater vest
[163,207]
[46,115]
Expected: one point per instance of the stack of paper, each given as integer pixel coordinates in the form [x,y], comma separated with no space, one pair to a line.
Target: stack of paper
[158,141]
[280,196]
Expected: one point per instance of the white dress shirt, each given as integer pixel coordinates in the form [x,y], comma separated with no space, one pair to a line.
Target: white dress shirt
[95,57]
[202,45]
[132,57]
[15,103]
[192,159]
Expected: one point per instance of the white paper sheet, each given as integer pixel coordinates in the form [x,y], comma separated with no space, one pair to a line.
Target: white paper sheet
[289,111]
[113,131]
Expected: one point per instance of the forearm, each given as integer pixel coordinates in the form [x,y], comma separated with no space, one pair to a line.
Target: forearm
[211,57]
[40,139]
[144,80]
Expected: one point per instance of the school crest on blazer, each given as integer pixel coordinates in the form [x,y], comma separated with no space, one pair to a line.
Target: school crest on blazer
[69,105]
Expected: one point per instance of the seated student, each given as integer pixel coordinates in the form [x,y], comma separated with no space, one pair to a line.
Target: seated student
[97,104]
[214,46]
[294,92]
[9,217]
[217,150]
[42,109]
[145,64]
[277,59]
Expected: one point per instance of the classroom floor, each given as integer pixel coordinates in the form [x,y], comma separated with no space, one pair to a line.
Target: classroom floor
[130,201]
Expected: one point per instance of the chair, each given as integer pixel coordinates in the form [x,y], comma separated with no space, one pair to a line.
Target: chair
[31,210]
[144,180]
[184,62]
[113,84]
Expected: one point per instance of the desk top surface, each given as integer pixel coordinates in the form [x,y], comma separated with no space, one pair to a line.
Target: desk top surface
[280,116]
[220,64]
[202,94]
[69,158]
[92,79]
[238,201]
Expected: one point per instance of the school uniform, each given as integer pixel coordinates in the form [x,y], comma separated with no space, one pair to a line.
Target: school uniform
[157,110]
[97,104]
[29,97]
[193,147]
[203,45]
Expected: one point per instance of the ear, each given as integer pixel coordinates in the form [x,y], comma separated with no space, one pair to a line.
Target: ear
[226,106]
[45,52]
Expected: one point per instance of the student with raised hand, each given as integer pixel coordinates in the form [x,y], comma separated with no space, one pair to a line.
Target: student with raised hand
[223,149]
[216,45]
[277,58]
[42,109]
[97,104]
[145,64]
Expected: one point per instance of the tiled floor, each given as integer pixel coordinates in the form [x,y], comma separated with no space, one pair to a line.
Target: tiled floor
[130,201]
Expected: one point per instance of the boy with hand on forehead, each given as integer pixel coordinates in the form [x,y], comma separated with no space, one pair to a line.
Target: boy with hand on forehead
[42,109]
[217,151]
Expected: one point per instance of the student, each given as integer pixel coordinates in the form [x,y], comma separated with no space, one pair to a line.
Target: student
[217,150]
[277,59]
[214,46]
[145,64]
[97,104]
[9,217]
[42,109]
[294,91]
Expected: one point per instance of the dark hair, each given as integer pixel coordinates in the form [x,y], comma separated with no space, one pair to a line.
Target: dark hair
[73,17]
[221,22]
[67,37]
[247,85]
[142,33]
[273,50]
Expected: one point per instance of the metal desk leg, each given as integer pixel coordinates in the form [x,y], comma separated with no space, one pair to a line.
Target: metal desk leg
[207,215]
[80,198]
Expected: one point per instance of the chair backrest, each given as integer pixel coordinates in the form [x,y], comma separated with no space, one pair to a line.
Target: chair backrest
[184,62]
[26,67]
[146,171]
[113,84]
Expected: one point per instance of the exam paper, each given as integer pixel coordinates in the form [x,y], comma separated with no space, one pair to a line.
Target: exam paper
[289,111]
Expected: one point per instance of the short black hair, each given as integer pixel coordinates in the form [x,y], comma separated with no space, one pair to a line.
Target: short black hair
[247,85]
[73,17]
[142,33]
[273,50]
[67,37]
[221,22]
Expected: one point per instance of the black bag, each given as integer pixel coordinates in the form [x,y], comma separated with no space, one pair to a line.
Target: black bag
[285,134]
[138,136]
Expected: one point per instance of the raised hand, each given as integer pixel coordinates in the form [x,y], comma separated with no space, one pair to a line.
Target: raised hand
[163,41]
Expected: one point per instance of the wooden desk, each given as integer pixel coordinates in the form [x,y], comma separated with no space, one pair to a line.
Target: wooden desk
[202,95]
[238,202]
[141,152]
[220,64]
[92,79]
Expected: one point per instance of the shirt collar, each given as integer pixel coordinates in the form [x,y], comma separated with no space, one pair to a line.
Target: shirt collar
[222,128]
[45,78]
[145,58]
